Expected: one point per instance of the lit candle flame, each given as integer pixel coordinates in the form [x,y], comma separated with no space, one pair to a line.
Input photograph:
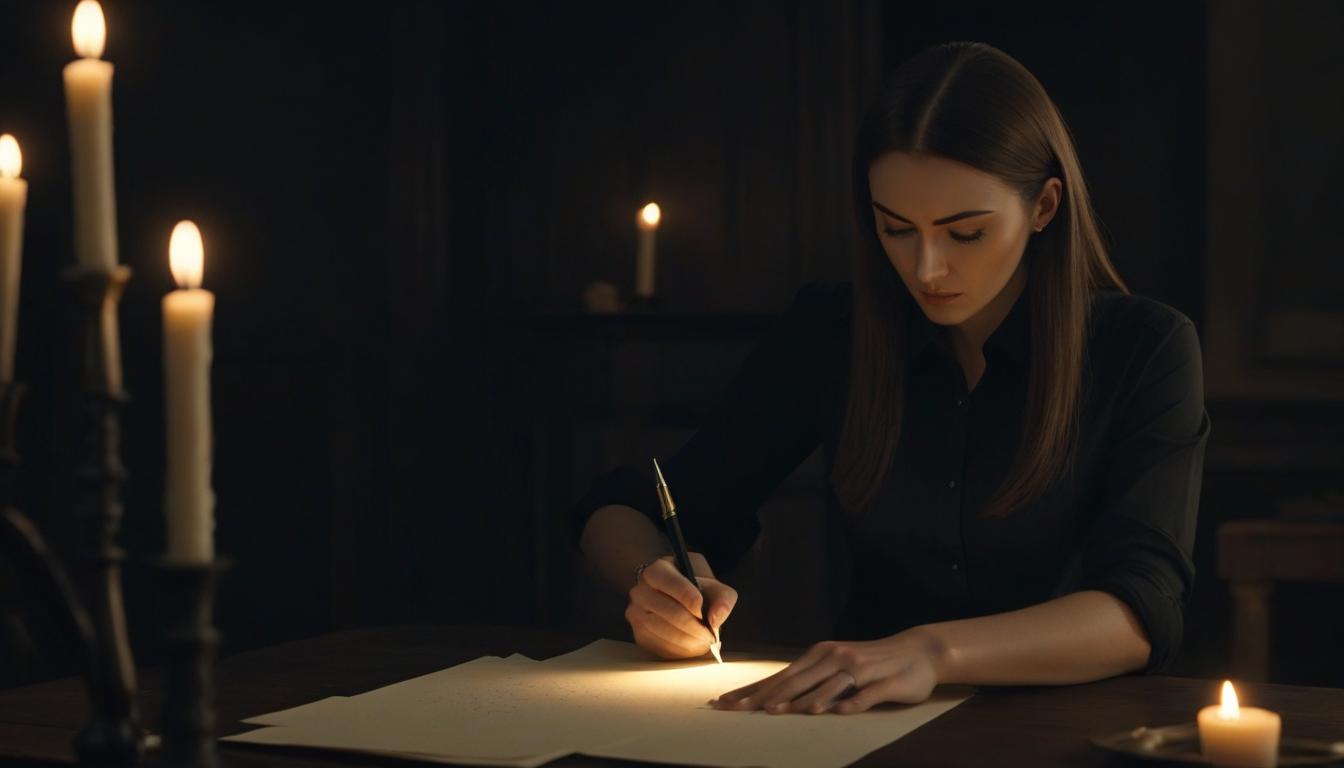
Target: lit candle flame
[11,159]
[89,29]
[186,254]
[1228,709]
[651,214]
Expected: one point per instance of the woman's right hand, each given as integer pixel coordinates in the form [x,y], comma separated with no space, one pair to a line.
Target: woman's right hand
[665,609]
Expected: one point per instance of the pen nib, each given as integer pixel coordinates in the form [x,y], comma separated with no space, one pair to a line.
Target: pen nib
[714,649]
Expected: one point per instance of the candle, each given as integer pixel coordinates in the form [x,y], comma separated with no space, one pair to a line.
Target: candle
[13,199]
[1234,735]
[647,222]
[188,499]
[88,102]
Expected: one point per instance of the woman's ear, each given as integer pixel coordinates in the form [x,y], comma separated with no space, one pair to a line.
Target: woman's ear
[1047,203]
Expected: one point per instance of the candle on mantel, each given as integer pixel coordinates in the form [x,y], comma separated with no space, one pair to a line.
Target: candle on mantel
[647,221]
[88,102]
[13,199]
[189,500]
[1230,734]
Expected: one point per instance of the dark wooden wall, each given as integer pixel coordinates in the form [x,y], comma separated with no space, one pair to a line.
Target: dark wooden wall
[393,193]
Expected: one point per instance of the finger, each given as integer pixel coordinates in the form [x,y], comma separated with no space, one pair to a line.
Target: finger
[810,657]
[863,700]
[664,577]
[778,697]
[673,613]
[667,644]
[722,599]
[634,616]
[896,688]
[655,644]
[685,644]
[822,697]
[751,696]
[741,698]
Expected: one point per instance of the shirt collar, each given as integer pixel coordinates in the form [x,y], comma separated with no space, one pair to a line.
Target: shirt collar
[1010,341]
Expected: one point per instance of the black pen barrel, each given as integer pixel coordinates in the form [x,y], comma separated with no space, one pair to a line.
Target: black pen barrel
[683,559]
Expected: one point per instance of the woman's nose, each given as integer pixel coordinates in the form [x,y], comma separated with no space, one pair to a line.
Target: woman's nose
[929,264]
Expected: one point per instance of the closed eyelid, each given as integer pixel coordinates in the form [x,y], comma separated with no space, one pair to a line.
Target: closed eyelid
[902,230]
[890,224]
[964,239]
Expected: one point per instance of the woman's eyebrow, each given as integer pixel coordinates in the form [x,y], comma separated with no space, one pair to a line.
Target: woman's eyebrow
[936,222]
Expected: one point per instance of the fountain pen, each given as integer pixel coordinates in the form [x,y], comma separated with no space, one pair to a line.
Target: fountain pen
[673,529]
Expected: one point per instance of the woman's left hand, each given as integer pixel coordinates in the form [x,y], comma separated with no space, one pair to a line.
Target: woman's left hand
[847,677]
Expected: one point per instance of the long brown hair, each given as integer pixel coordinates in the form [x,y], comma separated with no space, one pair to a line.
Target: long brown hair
[974,104]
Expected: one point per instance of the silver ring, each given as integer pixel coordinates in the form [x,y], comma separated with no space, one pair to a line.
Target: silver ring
[640,570]
[853,681]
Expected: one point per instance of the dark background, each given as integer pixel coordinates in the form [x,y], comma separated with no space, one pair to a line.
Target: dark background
[403,201]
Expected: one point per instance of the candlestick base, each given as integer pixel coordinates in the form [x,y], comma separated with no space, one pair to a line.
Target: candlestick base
[114,734]
[187,598]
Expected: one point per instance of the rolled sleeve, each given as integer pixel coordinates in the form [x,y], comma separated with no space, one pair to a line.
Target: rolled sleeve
[1140,547]
[763,426]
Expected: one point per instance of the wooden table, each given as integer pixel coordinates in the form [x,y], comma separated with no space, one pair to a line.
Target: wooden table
[999,726]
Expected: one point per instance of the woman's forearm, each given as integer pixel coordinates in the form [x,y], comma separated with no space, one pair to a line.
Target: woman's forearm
[618,539]
[1076,638]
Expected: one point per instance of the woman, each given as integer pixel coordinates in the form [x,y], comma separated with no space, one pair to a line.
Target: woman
[1013,442]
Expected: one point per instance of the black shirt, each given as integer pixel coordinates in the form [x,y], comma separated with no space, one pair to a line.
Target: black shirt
[1122,520]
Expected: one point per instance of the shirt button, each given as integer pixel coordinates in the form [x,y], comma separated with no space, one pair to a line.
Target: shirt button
[960,402]
[951,483]
[956,567]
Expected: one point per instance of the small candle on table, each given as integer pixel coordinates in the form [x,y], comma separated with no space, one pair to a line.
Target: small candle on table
[13,199]
[647,221]
[189,500]
[1230,734]
[88,102]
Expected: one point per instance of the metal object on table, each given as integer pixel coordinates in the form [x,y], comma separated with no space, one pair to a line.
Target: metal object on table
[1180,744]
[114,735]
[88,606]
[187,592]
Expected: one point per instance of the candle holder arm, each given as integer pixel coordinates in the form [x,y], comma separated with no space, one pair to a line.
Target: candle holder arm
[49,590]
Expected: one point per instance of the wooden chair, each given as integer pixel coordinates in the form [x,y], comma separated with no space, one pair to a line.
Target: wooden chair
[1305,545]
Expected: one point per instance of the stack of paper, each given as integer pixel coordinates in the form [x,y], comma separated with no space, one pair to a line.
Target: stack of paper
[607,699]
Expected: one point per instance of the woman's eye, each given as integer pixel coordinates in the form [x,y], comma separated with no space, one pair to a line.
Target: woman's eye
[971,238]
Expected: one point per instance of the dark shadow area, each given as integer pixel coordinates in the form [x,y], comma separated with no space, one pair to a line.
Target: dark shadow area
[403,203]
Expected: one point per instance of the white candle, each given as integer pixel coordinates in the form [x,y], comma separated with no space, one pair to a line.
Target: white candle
[189,500]
[647,222]
[88,102]
[13,199]
[1230,734]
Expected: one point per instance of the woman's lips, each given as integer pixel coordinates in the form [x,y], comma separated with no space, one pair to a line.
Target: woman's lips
[938,298]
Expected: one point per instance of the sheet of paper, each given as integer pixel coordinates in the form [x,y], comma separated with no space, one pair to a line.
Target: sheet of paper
[323,708]
[299,713]
[488,708]
[607,699]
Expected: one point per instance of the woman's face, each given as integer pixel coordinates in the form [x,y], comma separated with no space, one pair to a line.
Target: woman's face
[954,234]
